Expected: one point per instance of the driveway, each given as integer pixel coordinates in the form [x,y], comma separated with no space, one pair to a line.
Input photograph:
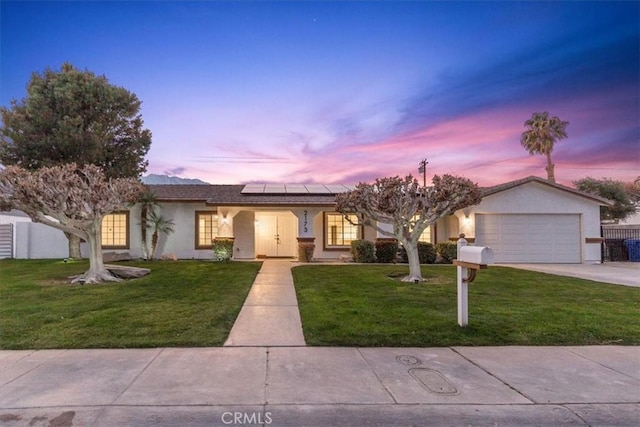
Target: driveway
[618,273]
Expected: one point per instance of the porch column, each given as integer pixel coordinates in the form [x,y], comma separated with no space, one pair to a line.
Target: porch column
[306,237]
[225,221]
[305,221]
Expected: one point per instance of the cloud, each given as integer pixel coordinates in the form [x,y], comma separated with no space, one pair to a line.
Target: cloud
[176,171]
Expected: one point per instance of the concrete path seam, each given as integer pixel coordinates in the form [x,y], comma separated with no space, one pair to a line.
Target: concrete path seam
[32,369]
[138,375]
[601,364]
[266,378]
[530,399]
[395,401]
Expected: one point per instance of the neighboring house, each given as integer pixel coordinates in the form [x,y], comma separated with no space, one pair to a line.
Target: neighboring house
[529,220]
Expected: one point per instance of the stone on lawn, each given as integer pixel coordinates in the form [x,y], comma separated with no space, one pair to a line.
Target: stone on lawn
[126,272]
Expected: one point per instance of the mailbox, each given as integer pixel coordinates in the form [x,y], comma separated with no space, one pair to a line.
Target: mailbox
[482,255]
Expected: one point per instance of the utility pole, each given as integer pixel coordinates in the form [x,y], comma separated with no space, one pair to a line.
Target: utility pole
[423,170]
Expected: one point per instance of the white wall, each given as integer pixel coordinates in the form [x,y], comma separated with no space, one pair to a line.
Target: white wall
[244,243]
[182,242]
[537,198]
[35,240]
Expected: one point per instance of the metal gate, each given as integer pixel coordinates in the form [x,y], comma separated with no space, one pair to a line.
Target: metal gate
[6,241]
[613,247]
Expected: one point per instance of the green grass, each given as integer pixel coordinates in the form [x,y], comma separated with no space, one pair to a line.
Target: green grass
[347,305]
[184,303]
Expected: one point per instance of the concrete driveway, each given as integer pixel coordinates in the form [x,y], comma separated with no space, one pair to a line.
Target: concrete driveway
[618,273]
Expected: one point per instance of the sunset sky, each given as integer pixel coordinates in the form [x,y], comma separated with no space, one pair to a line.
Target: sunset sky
[342,92]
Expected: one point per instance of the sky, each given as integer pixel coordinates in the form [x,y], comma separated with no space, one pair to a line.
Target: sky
[343,92]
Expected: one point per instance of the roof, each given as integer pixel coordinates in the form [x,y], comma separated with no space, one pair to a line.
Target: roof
[487,191]
[190,192]
[233,195]
[304,194]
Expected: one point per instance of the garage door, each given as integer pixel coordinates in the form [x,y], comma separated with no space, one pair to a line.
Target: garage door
[530,238]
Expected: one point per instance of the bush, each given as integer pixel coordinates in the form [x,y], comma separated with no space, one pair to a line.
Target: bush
[426,253]
[386,250]
[447,250]
[305,251]
[362,251]
[222,248]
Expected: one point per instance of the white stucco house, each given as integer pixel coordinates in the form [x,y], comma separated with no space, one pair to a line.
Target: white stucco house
[525,221]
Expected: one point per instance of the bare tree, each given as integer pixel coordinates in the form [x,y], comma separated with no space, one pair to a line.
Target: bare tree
[408,207]
[71,199]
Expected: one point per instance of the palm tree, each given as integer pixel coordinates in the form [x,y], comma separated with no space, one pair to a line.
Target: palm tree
[147,202]
[159,224]
[541,134]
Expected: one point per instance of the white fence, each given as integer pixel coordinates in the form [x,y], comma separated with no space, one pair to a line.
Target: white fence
[6,241]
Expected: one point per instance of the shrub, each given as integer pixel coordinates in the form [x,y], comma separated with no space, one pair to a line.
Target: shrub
[447,250]
[426,253]
[222,248]
[362,251]
[386,250]
[305,251]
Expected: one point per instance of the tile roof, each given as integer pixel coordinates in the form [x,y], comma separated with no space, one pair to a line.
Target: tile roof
[190,193]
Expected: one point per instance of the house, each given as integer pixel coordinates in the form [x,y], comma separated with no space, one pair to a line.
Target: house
[525,221]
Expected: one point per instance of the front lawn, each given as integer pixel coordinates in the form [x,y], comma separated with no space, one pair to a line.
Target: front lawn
[183,303]
[356,305]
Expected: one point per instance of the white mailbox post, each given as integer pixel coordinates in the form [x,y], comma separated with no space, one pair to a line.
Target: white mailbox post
[470,260]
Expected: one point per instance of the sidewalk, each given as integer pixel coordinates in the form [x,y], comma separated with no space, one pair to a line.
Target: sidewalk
[319,386]
[269,316]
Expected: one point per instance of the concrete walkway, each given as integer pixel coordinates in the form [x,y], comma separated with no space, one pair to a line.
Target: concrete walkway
[319,386]
[617,273]
[269,316]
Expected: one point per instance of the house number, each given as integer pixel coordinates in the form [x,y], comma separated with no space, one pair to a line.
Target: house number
[304,223]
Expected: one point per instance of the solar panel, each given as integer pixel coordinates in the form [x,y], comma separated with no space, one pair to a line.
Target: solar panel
[253,189]
[295,188]
[274,188]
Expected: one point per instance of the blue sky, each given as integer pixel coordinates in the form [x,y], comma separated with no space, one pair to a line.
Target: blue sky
[341,92]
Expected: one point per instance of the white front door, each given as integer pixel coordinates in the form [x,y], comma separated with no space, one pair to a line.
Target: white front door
[276,234]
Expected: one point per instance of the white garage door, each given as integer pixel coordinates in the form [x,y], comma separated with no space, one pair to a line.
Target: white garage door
[530,238]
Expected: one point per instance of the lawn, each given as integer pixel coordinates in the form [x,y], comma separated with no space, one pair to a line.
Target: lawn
[183,303]
[354,305]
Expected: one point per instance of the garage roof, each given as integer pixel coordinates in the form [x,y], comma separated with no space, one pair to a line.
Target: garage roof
[512,184]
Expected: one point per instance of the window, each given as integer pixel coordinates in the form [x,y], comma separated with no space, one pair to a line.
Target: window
[206,229]
[339,232]
[115,231]
[425,236]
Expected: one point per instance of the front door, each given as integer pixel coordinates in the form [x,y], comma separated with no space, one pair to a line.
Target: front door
[276,234]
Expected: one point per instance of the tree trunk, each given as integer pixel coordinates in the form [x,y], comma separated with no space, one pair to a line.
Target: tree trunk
[97,272]
[154,243]
[550,169]
[74,246]
[415,274]
[143,230]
